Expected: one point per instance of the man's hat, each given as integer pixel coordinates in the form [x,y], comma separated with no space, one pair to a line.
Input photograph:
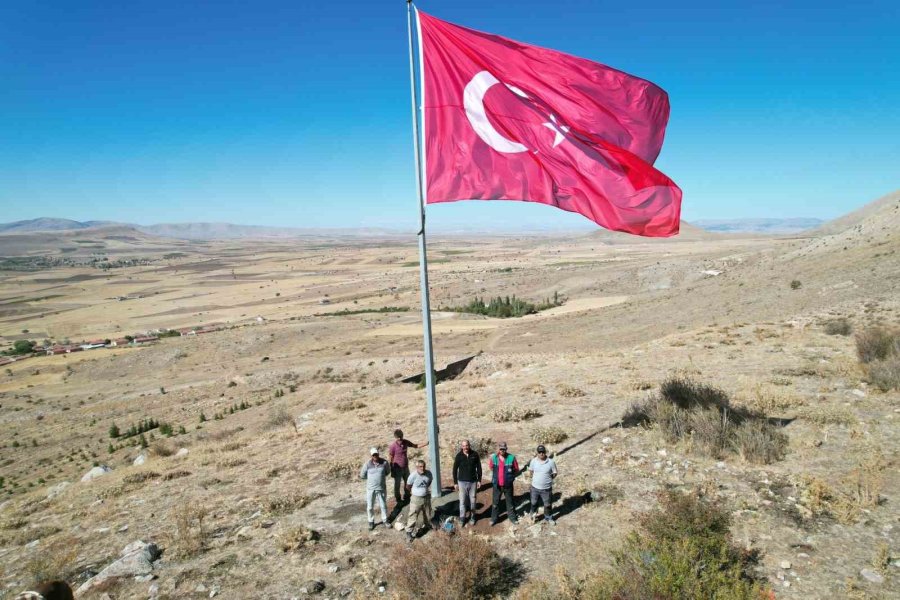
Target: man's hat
[541,449]
[373,451]
[502,445]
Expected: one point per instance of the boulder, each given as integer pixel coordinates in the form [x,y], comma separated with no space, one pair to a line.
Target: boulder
[141,459]
[55,490]
[95,473]
[181,452]
[136,560]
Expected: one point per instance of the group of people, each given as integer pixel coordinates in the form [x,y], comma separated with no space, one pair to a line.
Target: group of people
[415,488]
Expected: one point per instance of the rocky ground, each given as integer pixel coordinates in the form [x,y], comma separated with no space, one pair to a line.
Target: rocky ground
[254,493]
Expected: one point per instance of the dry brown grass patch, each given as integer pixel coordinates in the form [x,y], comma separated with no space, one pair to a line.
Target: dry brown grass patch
[567,391]
[140,477]
[189,536]
[53,560]
[296,538]
[549,435]
[885,374]
[348,405]
[877,343]
[286,504]
[515,413]
[462,567]
[343,468]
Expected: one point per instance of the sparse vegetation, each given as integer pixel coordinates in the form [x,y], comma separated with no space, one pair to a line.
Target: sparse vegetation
[460,567]
[279,417]
[54,560]
[297,537]
[287,503]
[513,413]
[549,435]
[839,326]
[189,536]
[683,549]
[885,374]
[877,343]
[567,391]
[685,410]
[341,469]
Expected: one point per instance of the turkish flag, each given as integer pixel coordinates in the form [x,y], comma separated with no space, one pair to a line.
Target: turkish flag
[509,121]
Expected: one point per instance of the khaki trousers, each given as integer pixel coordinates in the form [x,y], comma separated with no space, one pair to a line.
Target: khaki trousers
[419,505]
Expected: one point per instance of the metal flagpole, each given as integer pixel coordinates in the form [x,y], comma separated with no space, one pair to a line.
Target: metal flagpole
[434,452]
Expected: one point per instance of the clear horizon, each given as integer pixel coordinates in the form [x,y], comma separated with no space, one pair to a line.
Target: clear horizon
[297,115]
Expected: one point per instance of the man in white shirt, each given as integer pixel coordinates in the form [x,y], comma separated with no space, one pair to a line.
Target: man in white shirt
[543,472]
[419,484]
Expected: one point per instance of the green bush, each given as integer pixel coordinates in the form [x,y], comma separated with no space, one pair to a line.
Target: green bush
[682,549]
[505,308]
[838,327]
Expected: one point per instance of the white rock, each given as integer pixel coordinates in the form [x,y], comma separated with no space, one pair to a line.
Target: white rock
[55,490]
[785,564]
[181,452]
[141,459]
[872,576]
[786,583]
[154,590]
[858,393]
[137,559]
[95,473]
[606,440]
[200,588]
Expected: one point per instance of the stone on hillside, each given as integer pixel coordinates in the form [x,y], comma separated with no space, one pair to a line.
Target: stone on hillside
[136,560]
[785,564]
[872,576]
[313,586]
[181,452]
[55,490]
[95,473]
[141,459]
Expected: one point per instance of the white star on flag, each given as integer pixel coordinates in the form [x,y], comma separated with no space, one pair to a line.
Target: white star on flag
[559,130]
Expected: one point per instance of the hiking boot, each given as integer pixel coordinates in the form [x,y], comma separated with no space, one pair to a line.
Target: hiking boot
[371,525]
[410,537]
[470,523]
[549,521]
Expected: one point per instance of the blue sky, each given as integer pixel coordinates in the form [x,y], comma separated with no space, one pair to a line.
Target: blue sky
[297,113]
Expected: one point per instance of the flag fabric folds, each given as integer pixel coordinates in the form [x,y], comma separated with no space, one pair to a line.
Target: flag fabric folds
[505,120]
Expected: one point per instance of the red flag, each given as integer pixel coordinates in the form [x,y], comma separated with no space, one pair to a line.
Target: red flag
[508,121]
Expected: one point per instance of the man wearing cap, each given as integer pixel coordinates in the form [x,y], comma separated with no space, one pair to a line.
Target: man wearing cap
[419,483]
[374,471]
[466,478]
[543,471]
[504,469]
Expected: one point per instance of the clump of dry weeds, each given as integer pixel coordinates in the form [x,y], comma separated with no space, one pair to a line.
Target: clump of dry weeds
[515,413]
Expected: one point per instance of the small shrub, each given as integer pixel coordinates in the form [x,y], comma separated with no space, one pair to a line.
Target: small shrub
[758,442]
[838,327]
[877,344]
[297,537]
[279,417]
[161,448]
[795,284]
[549,435]
[341,469]
[692,557]
[140,477]
[177,474]
[286,504]
[567,391]
[348,405]
[460,567]
[513,413]
[189,537]
[53,560]
[885,374]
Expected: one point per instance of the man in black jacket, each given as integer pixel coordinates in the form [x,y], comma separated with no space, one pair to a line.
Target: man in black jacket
[466,479]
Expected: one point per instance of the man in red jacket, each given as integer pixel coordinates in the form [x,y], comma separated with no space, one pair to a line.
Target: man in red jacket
[504,469]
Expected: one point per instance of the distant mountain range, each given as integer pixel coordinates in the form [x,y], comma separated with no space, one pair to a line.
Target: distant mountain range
[769,226]
[216,231]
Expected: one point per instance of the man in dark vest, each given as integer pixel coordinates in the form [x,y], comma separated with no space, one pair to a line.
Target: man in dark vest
[504,469]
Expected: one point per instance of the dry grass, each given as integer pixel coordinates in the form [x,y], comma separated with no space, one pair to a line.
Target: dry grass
[461,567]
[549,435]
[189,536]
[703,416]
[286,504]
[349,405]
[515,413]
[828,415]
[296,537]
[877,343]
[885,374]
[53,560]
[840,326]
[345,468]
[279,417]
[567,391]
[858,491]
